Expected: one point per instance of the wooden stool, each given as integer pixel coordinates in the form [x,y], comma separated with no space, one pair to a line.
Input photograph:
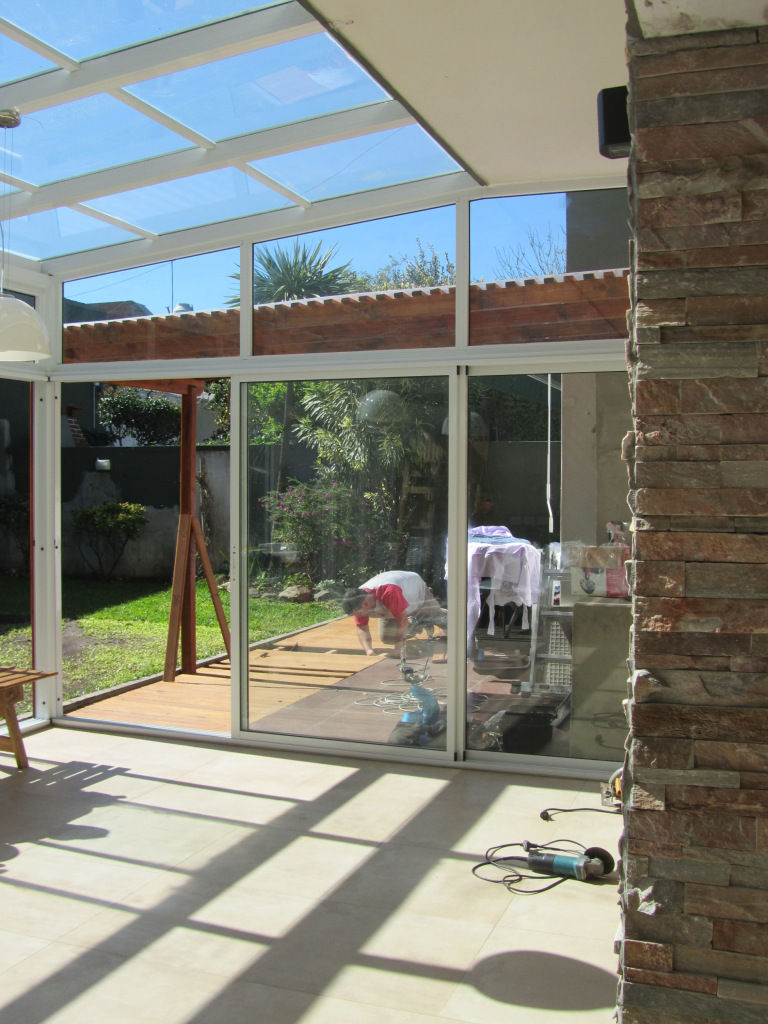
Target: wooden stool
[12,682]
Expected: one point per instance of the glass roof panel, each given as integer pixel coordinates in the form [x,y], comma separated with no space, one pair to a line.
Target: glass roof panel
[188,202]
[268,87]
[90,27]
[86,135]
[63,146]
[356,165]
[16,61]
[58,232]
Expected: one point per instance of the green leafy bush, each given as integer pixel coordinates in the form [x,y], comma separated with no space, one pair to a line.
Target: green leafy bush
[104,530]
[336,532]
[125,412]
[14,516]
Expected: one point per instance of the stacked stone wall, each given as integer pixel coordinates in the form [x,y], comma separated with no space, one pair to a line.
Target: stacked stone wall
[695,846]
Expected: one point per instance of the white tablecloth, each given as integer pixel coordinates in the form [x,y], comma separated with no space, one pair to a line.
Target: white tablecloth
[512,566]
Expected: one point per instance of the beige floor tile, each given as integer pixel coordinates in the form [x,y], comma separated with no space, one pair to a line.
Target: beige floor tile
[220,804]
[15,947]
[80,867]
[143,991]
[278,776]
[41,911]
[537,978]
[578,909]
[216,885]
[414,988]
[308,865]
[381,809]
[326,1010]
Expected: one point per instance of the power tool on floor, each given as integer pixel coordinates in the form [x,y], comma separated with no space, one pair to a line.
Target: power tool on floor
[547,859]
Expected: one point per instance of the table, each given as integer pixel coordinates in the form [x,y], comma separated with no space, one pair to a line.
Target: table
[510,564]
[12,683]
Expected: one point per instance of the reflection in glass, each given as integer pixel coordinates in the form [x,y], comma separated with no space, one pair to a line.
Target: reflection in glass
[347,511]
[548,609]
[528,255]
[15,562]
[181,309]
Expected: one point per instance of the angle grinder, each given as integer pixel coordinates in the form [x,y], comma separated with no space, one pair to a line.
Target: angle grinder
[594,862]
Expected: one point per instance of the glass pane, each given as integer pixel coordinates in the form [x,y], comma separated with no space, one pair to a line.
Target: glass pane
[132,475]
[356,165]
[15,564]
[275,85]
[182,309]
[394,279]
[549,614]
[347,520]
[95,26]
[521,247]
[17,61]
[86,135]
[58,232]
[188,202]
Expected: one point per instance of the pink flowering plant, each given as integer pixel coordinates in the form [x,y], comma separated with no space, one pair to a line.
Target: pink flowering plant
[337,533]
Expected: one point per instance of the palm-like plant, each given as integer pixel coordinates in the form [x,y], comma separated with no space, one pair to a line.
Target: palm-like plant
[299,272]
[280,275]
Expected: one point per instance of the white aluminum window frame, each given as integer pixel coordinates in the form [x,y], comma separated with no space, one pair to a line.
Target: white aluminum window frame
[456,362]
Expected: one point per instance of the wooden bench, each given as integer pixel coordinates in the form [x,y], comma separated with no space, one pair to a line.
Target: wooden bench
[12,683]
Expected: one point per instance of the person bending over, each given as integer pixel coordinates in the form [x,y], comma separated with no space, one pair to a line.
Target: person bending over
[391,597]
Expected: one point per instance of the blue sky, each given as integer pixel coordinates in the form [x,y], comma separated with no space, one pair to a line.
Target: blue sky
[205,283]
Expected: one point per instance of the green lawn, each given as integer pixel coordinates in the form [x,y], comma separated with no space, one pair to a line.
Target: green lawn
[115,631]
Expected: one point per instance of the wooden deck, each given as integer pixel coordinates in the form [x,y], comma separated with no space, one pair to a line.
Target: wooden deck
[318,684]
[281,674]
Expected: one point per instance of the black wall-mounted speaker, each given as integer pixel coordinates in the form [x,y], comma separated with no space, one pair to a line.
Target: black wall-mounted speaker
[612,122]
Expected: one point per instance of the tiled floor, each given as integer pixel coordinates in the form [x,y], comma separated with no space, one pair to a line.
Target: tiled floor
[147,881]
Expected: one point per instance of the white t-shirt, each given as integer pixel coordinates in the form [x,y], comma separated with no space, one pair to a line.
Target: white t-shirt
[413,587]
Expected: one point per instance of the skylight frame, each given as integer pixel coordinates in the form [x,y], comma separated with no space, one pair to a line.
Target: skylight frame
[267,26]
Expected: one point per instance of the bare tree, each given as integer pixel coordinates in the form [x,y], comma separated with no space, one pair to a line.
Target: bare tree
[541,255]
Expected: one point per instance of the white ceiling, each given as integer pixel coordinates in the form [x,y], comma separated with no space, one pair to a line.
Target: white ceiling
[509,85]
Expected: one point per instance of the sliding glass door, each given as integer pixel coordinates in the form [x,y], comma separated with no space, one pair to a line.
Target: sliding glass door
[347,512]
[548,611]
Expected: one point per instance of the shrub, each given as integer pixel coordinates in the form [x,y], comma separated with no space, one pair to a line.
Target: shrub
[105,530]
[125,412]
[14,516]
[337,533]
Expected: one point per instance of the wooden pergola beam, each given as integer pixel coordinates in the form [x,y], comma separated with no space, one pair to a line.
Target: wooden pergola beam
[506,312]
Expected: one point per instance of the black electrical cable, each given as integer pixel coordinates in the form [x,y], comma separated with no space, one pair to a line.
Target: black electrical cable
[549,812]
[513,877]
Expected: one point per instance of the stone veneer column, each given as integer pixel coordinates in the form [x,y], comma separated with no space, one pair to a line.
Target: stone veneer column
[695,847]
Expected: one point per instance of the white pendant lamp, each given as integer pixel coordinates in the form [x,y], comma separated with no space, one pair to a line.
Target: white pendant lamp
[23,335]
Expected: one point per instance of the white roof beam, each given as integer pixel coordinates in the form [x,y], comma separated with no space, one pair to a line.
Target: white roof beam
[162,56]
[167,122]
[37,46]
[264,179]
[25,186]
[243,148]
[116,222]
